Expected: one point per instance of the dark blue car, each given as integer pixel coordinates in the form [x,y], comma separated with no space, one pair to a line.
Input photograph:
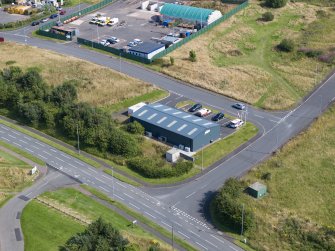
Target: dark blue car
[218,116]
[53,16]
[195,107]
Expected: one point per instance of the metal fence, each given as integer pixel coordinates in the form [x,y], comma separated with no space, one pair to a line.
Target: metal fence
[52,35]
[203,30]
[112,50]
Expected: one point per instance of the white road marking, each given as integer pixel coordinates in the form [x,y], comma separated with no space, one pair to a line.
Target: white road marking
[59,159]
[201,245]
[189,195]
[47,153]
[177,223]
[128,195]
[24,142]
[106,177]
[72,166]
[160,213]
[104,189]
[184,235]
[17,144]
[65,156]
[79,163]
[211,243]
[150,215]
[86,172]
[16,133]
[119,197]
[26,138]
[134,206]
[121,184]
[5,138]
[35,147]
[217,238]
[99,180]
[275,121]
[42,156]
[53,150]
[38,143]
[92,170]
[11,136]
[29,150]
[194,233]
[5,128]
[166,224]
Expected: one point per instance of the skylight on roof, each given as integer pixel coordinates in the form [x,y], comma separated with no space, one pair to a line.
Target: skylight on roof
[172,123]
[182,127]
[167,109]
[197,120]
[175,113]
[152,116]
[161,120]
[142,113]
[186,116]
[208,123]
[193,131]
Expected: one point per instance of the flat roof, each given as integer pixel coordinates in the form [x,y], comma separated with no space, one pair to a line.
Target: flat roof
[174,120]
[257,186]
[147,47]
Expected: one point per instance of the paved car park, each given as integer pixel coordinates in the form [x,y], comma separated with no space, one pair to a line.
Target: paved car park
[134,23]
[6,17]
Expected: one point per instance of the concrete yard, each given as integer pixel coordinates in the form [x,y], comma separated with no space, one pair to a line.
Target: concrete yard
[133,23]
[6,17]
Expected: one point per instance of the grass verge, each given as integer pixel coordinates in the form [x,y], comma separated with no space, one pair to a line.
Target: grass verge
[223,147]
[122,178]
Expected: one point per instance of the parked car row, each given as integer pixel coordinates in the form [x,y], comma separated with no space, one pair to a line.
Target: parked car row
[108,41]
[40,21]
[198,110]
[135,42]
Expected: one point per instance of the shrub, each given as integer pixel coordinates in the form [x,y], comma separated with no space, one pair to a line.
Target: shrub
[192,56]
[286,45]
[123,144]
[266,176]
[135,128]
[171,60]
[268,16]
[275,3]
[313,53]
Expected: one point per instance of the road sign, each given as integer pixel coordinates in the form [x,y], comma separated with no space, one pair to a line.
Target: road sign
[33,170]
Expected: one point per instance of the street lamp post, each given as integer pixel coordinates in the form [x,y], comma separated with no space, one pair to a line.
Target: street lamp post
[78,137]
[242,219]
[202,158]
[172,238]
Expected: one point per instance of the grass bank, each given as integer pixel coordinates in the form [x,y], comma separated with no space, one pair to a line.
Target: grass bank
[70,209]
[238,57]
[14,176]
[298,212]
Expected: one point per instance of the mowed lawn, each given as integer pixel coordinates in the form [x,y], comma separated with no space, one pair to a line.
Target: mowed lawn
[96,85]
[238,58]
[37,219]
[301,187]
[14,176]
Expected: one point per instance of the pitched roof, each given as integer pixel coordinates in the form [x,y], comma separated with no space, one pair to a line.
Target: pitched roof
[146,47]
[173,120]
[185,12]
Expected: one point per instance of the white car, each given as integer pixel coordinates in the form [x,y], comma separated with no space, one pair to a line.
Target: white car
[203,112]
[235,123]
[104,42]
[115,39]
[138,41]
[131,44]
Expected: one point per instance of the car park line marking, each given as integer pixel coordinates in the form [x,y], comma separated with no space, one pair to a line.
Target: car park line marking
[5,128]
[119,197]
[233,248]
[128,195]
[134,206]
[104,189]
[194,233]
[150,215]
[11,136]
[217,238]
[5,138]
[211,243]
[16,133]
[201,245]
[29,150]
[17,144]
[65,156]
[42,156]
[166,224]
[189,195]
[53,150]
[24,142]
[35,147]
[26,138]
[184,235]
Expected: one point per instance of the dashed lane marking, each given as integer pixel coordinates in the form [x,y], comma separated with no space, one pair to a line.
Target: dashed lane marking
[201,245]
[134,206]
[183,235]
[217,238]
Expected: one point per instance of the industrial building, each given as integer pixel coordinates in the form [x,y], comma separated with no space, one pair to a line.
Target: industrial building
[176,127]
[147,50]
[190,14]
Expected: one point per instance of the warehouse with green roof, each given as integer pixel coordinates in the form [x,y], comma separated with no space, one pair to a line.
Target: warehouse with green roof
[190,14]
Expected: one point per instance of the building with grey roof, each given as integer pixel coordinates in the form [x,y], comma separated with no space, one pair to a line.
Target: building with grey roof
[176,127]
[147,49]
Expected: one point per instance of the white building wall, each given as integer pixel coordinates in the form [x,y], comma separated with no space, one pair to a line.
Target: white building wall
[215,15]
[145,55]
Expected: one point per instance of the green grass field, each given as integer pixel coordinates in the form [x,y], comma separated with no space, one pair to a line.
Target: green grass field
[298,212]
[14,176]
[238,58]
[40,236]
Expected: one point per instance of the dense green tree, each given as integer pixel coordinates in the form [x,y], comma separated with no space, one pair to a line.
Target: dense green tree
[135,128]
[12,74]
[99,236]
[122,143]
[31,112]
[275,3]
[65,93]
[267,16]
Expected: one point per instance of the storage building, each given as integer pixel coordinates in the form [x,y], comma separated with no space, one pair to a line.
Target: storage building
[147,49]
[257,190]
[190,14]
[176,127]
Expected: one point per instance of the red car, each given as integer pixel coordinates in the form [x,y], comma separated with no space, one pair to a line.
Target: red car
[62,12]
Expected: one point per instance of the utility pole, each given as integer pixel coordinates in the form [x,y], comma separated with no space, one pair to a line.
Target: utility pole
[113,181]
[172,238]
[242,220]
[202,158]
[78,137]
[120,61]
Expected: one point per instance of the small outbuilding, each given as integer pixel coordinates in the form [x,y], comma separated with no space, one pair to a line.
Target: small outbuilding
[257,190]
[172,155]
[146,49]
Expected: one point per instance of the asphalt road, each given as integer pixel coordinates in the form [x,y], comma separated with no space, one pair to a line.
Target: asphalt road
[11,236]
[178,207]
